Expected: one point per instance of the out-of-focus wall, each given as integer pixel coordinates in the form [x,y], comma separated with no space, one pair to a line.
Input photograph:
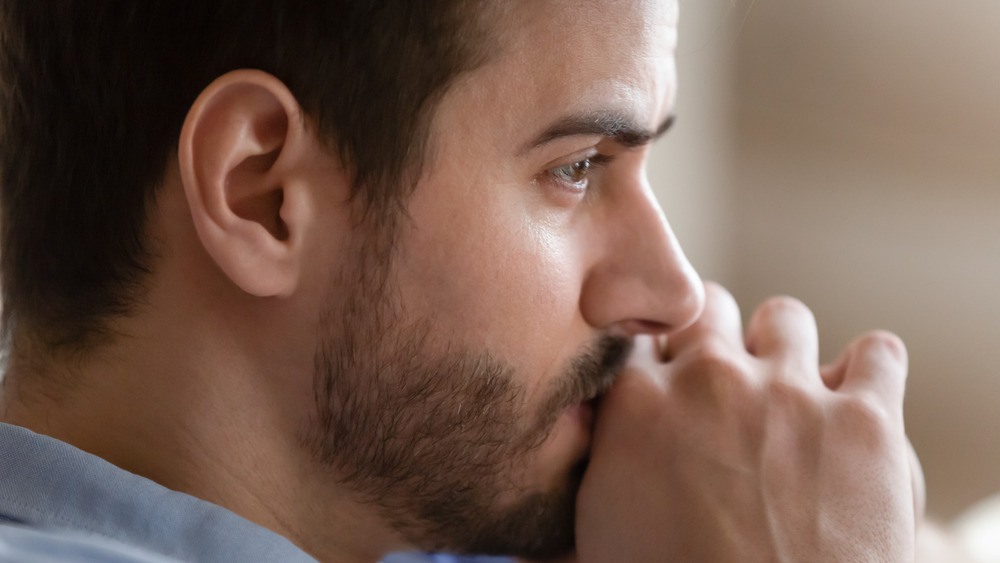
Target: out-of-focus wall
[689,167]
[868,182]
[848,153]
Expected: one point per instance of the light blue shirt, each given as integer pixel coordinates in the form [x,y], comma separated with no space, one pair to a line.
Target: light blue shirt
[61,504]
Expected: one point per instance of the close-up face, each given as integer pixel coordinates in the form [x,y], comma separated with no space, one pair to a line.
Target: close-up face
[530,252]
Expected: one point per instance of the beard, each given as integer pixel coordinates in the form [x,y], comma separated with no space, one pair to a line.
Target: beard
[439,437]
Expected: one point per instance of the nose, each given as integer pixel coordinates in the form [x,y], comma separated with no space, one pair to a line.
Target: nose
[640,281]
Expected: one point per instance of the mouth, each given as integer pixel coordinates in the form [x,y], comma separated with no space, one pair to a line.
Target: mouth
[597,373]
[593,394]
[589,378]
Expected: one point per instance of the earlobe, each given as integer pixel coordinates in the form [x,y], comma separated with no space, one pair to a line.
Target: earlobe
[238,156]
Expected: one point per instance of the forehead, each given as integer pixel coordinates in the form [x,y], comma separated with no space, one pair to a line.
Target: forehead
[560,57]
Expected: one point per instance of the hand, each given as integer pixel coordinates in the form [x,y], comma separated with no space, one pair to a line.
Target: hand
[712,449]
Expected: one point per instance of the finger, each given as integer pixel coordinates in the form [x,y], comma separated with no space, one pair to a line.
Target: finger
[720,320]
[918,483]
[784,330]
[877,364]
[833,373]
[645,351]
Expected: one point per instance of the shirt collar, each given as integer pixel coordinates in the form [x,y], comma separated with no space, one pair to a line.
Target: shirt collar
[47,483]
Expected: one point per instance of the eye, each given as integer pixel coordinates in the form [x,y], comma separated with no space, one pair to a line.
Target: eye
[575,175]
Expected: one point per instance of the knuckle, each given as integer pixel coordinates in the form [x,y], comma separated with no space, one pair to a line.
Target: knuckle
[865,408]
[711,357]
[865,416]
[783,305]
[880,341]
[789,394]
[715,292]
[720,298]
[710,368]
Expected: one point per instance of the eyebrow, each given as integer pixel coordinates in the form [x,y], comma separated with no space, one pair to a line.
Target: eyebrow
[620,128]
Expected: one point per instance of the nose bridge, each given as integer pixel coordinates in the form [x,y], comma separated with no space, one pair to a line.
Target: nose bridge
[644,282]
[658,258]
[651,229]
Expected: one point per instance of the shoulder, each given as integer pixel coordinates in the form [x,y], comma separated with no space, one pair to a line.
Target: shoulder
[22,544]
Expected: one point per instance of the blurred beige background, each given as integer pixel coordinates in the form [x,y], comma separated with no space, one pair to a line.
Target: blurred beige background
[848,153]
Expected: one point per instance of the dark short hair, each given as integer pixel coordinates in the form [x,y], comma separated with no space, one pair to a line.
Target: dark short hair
[93,94]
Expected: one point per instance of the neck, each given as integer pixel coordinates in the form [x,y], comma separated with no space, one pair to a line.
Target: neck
[194,412]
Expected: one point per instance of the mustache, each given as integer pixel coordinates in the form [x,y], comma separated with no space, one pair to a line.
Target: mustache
[590,374]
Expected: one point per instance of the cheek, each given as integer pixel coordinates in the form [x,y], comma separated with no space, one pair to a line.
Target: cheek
[499,283]
[540,285]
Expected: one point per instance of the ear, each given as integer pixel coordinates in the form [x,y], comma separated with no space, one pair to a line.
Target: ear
[241,151]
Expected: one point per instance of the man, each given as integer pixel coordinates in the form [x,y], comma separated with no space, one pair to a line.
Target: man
[342,279]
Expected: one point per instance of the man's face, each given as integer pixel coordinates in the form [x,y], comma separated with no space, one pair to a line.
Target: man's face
[453,381]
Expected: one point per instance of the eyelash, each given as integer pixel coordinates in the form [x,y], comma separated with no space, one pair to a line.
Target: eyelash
[590,164]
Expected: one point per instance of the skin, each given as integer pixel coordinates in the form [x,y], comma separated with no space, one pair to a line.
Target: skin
[505,249]
[574,257]
[500,255]
[212,388]
[747,451]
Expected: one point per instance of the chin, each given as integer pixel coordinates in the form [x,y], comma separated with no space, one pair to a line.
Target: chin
[540,526]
